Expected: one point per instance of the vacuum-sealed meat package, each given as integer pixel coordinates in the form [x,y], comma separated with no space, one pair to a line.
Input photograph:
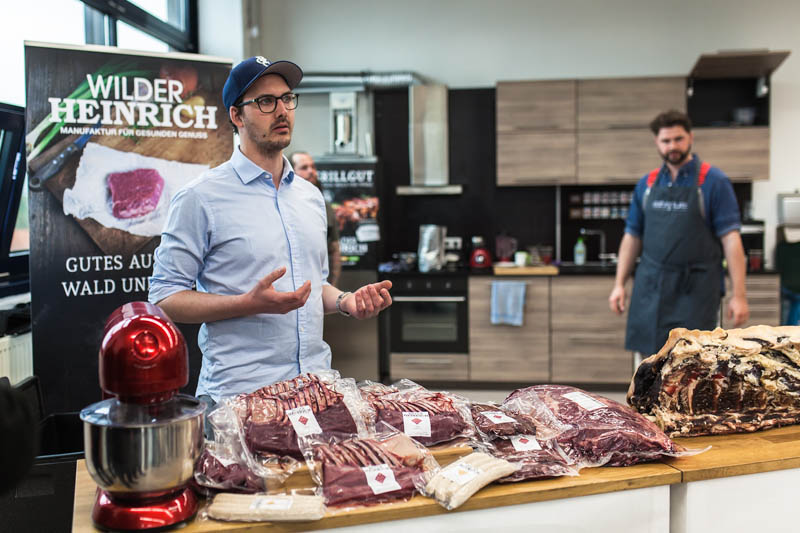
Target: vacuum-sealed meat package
[219,469]
[509,432]
[428,417]
[593,430]
[356,471]
[272,418]
[493,421]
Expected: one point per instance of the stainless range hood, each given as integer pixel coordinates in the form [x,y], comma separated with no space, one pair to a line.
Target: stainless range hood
[427,130]
[428,147]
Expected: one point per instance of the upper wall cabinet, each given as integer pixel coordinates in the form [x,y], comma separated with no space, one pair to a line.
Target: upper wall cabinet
[536,132]
[741,153]
[623,103]
[523,106]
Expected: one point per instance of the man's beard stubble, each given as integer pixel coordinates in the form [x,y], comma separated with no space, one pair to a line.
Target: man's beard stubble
[265,146]
[679,157]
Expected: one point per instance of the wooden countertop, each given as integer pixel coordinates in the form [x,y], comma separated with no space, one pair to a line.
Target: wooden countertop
[730,455]
[739,454]
[545,270]
[591,481]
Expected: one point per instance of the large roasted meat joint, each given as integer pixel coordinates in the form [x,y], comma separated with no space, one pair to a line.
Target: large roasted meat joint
[716,382]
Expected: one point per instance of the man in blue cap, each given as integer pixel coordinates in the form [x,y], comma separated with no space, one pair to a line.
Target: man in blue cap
[252,238]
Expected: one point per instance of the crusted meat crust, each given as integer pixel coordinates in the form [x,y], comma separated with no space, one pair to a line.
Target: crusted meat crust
[721,381]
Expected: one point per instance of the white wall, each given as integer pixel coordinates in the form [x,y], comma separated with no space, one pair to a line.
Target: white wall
[475,43]
[221,28]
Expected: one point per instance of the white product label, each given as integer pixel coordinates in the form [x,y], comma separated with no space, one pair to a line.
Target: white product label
[223,461]
[462,473]
[380,478]
[587,402]
[303,421]
[265,503]
[524,443]
[497,417]
[417,424]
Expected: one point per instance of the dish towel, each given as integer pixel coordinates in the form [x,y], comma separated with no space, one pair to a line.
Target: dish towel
[508,302]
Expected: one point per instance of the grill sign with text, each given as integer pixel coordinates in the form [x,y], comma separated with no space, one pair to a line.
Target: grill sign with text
[350,188]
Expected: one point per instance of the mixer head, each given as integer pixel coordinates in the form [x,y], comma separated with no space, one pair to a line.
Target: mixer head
[143,355]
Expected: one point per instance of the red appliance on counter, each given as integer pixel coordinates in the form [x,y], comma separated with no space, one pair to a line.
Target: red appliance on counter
[142,441]
[480,258]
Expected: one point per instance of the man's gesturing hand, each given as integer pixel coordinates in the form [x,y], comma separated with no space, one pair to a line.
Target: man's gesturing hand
[263,298]
[369,300]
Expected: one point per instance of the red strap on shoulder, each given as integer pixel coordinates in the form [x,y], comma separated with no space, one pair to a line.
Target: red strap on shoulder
[651,178]
[704,168]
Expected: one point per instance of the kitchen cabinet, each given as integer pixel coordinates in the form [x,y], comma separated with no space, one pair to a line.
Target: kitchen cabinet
[535,105]
[615,144]
[535,158]
[509,353]
[535,132]
[432,366]
[588,340]
[627,103]
[742,153]
[763,299]
[612,157]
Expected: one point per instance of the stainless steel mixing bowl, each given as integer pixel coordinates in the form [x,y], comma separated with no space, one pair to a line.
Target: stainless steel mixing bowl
[143,449]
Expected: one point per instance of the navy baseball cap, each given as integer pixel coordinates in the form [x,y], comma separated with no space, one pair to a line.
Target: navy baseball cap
[248,71]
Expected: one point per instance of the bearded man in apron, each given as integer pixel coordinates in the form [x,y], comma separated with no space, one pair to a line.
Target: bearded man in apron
[682,218]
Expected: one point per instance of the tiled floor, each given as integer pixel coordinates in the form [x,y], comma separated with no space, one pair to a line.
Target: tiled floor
[499,395]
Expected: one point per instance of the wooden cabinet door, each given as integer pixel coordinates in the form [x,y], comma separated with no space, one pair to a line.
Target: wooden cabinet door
[615,156]
[763,300]
[509,353]
[588,339]
[535,105]
[535,158]
[741,153]
[627,102]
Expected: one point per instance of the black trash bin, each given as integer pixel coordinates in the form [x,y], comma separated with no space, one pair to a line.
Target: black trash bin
[43,500]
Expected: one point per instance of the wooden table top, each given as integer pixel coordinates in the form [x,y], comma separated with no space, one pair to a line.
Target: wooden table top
[729,455]
[739,454]
[591,481]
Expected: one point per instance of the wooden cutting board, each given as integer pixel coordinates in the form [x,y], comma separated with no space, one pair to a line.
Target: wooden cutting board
[544,270]
[116,241]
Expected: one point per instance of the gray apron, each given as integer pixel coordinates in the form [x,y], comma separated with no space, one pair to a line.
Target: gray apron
[677,282]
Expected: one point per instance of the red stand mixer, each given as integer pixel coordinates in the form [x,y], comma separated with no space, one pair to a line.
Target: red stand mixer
[142,441]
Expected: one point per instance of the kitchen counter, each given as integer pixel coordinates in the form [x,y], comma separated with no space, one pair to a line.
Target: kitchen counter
[593,481]
[735,461]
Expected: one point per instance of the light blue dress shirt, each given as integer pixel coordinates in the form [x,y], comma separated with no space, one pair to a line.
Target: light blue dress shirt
[226,230]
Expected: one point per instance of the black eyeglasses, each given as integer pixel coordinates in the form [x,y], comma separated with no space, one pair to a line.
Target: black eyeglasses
[267,103]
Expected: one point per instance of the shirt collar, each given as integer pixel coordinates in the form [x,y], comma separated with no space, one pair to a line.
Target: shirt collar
[249,171]
[686,172]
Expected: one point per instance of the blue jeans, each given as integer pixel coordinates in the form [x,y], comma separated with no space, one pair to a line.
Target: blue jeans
[210,404]
[790,307]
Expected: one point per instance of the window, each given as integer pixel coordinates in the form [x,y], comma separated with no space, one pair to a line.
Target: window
[125,23]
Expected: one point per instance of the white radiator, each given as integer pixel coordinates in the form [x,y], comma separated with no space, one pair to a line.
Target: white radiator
[16,357]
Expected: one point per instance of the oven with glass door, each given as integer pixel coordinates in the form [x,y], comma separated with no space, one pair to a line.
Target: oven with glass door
[426,328]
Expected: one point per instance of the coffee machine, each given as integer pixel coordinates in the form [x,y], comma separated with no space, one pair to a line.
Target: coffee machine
[142,441]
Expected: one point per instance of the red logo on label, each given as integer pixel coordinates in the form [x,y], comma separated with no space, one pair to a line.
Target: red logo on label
[379,478]
[416,420]
[498,417]
[523,440]
[303,420]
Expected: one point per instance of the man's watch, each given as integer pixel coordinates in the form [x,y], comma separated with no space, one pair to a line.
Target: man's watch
[339,299]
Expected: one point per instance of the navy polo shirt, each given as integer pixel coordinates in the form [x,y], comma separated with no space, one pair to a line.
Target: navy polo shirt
[721,208]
